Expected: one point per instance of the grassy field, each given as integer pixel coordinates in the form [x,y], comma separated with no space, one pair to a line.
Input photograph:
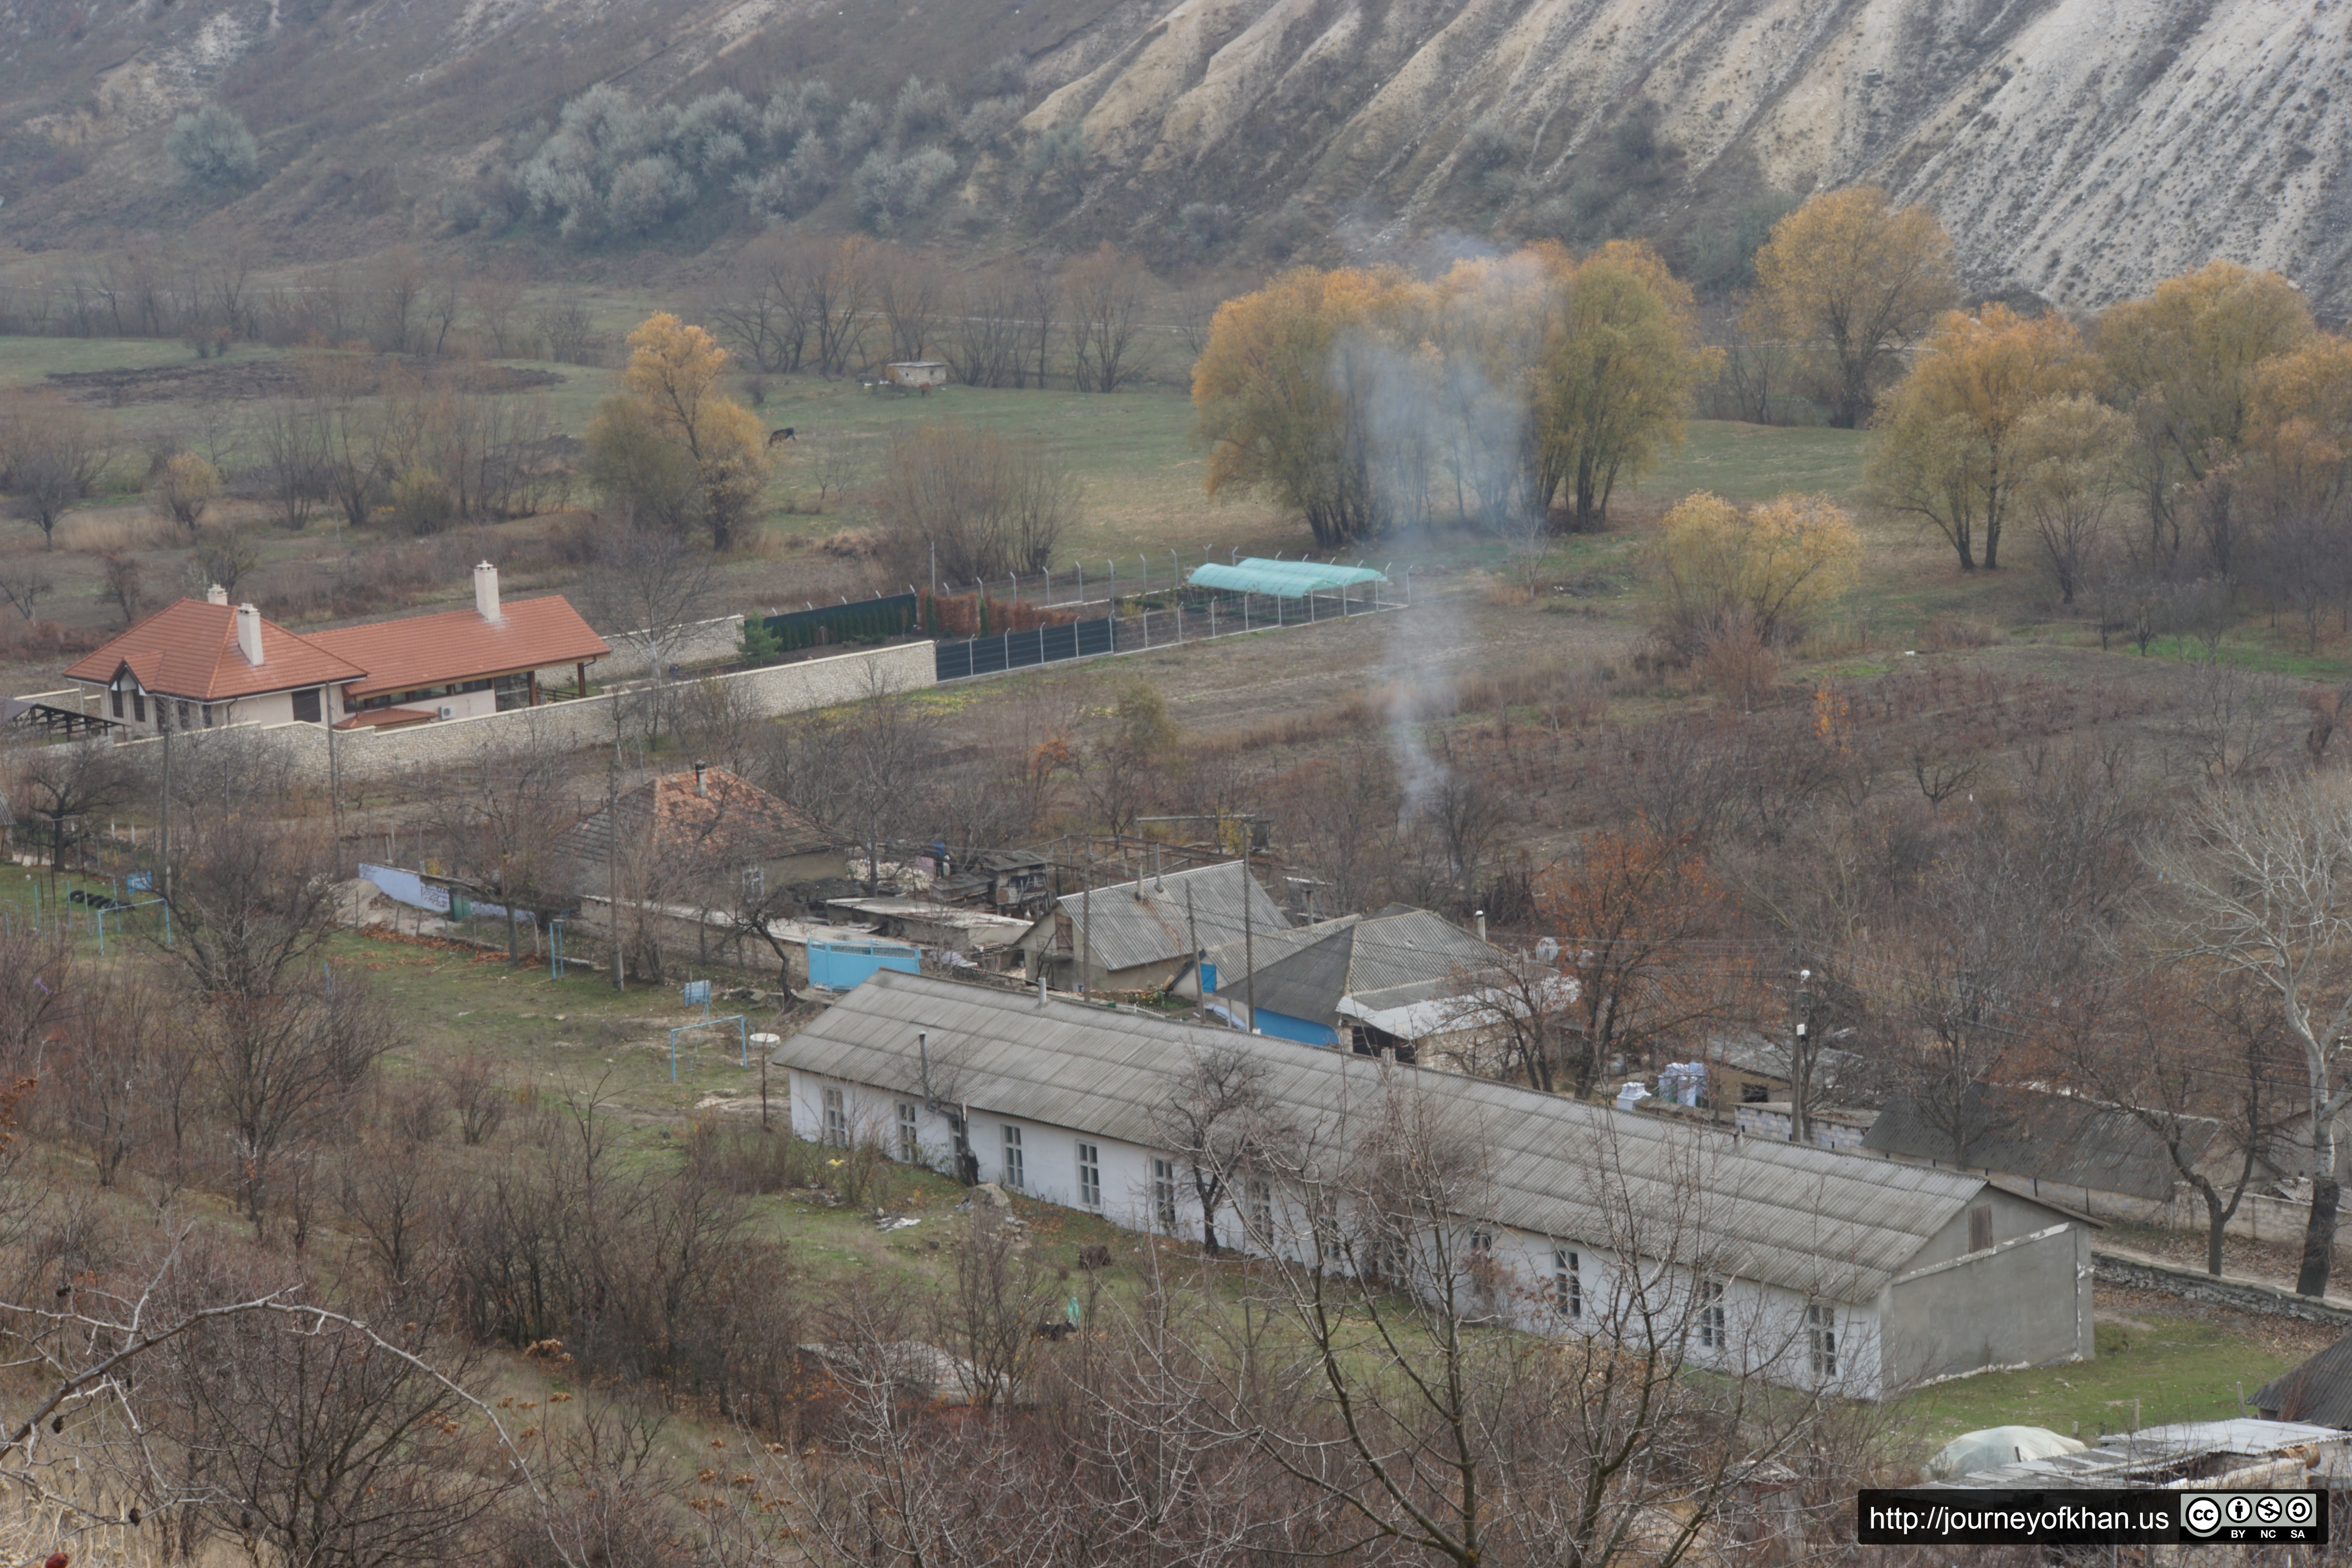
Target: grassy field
[2157,1368]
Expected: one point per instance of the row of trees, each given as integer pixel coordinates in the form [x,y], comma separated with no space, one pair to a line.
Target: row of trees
[837,307]
[2212,409]
[398,302]
[1528,381]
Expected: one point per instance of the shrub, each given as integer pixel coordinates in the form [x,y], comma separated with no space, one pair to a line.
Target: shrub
[214,149]
[791,187]
[923,108]
[860,127]
[991,122]
[987,504]
[646,194]
[890,190]
[1777,566]
[1488,143]
[185,484]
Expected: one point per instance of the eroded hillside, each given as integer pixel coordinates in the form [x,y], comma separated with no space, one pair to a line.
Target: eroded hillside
[2078,148]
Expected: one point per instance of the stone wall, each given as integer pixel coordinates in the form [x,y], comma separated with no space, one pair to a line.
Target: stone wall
[2136,1272]
[575,725]
[702,642]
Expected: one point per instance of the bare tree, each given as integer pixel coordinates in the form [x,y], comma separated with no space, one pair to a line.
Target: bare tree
[2260,885]
[251,897]
[646,588]
[910,292]
[53,457]
[285,1065]
[500,811]
[62,785]
[25,584]
[1104,294]
[1211,1120]
[958,505]
[294,456]
[855,769]
[1002,1291]
[1417,1426]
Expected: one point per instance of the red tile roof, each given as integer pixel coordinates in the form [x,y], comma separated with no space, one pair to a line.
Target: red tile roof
[189,649]
[421,651]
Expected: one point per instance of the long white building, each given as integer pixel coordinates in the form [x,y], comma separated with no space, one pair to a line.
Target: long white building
[1797,1264]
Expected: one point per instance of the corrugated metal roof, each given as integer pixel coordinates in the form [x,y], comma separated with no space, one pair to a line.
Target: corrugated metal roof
[1799,1217]
[2058,1138]
[1147,921]
[1406,947]
[2319,1391]
[1282,579]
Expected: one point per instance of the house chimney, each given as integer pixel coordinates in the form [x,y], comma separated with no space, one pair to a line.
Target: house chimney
[486,592]
[216,594]
[1481,918]
[249,634]
[701,788]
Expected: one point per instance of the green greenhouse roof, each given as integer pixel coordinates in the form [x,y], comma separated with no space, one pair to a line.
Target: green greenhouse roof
[1282,579]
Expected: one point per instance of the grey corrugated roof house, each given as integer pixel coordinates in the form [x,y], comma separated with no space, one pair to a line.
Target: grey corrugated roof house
[1821,1224]
[2318,1392]
[1401,954]
[2056,1137]
[1141,933]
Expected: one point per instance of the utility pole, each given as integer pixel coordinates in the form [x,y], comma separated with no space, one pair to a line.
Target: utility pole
[1085,922]
[1800,1065]
[1249,942]
[163,843]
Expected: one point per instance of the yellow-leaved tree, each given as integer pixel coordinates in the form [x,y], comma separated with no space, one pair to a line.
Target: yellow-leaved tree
[1293,389]
[1943,446]
[1848,282]
[674,449]
[1532,377]
[1772,569]
[2181,362]
[1615,381]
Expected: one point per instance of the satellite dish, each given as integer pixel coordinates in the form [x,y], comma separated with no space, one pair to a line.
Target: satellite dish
[1546,950]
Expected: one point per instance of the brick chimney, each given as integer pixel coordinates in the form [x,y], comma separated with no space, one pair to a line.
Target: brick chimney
[216,594]
[249,634]
[486,592]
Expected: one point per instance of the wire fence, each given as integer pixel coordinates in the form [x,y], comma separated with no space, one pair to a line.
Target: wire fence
[1109,578]
[1195,615]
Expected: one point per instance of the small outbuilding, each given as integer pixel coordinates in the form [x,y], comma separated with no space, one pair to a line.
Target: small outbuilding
[916,376]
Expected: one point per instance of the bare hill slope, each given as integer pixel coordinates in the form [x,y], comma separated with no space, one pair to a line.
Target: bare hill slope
[2080,148]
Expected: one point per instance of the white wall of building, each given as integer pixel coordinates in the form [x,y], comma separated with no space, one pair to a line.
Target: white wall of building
[1765,1330]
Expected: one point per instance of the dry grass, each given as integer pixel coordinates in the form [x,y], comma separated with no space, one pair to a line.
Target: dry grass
[1563,698]
[117,527]
[30,1534]
[1506,593]
[1949,631]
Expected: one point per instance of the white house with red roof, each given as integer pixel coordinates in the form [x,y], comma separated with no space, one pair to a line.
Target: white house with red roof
[203,663]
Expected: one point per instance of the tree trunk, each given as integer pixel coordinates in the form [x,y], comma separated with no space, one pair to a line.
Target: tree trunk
[2319,1237]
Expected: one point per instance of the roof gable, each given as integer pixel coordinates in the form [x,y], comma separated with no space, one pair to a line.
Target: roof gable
[1398,947]
[189,649]
[1791,1215]
[729,818]
[1155,919]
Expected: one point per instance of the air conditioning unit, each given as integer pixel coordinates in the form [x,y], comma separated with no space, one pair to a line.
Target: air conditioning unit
[447,711]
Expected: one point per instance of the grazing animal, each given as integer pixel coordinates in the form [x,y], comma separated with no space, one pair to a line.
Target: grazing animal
[778,437]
